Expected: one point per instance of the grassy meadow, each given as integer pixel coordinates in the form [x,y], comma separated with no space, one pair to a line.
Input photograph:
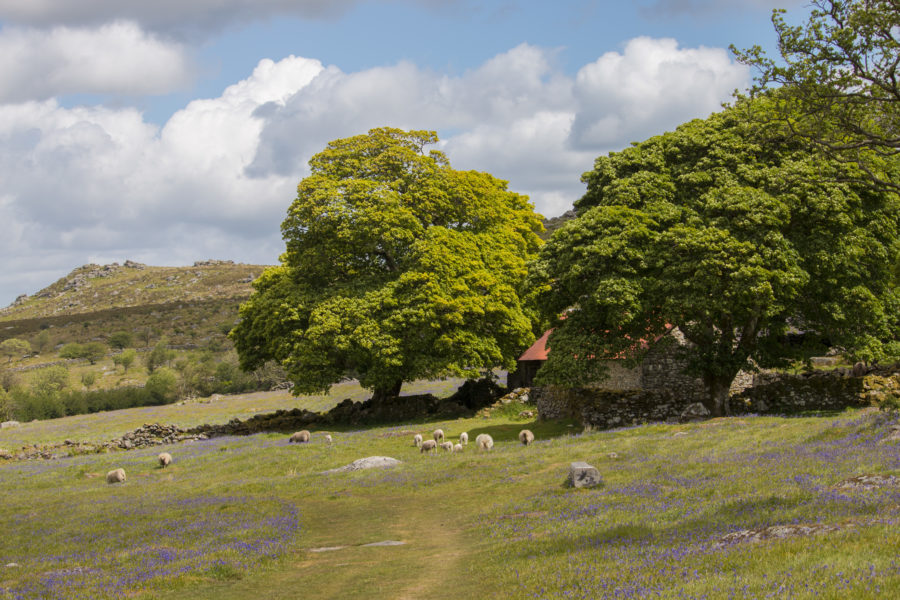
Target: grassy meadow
[255,517]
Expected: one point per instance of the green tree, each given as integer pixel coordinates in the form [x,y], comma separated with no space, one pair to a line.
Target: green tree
[838,80]
[6,408]
[120,340]
[730,234]
[42,342]
[163,385]
[397,267]
[88,378]
[72,350]
[14,347]
[125,358]
[49,382]
[159,356]
[93,351]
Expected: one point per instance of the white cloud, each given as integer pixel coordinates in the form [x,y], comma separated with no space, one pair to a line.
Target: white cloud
[191,16]
[117,58]
[650,87]
[101,184]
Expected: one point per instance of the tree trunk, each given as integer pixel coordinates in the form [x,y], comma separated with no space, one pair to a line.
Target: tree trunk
[717,395]
[387,392]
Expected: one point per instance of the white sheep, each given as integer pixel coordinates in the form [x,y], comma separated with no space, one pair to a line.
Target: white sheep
[328,438]
[526,437]
[484,442]
[464,438]
[165,459]
[438,435]
[301,437]
[428,445]
[448,446]
[417,440]
[457,448]
[116,476]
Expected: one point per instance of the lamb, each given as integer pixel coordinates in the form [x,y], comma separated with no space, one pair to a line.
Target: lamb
[484,442]
[116,476]
[526,437]
[301,437]
[417,440]
[438,435]
[457,448]
[165,459]
[328,438]
[428,445]
[448,446]
[464,438]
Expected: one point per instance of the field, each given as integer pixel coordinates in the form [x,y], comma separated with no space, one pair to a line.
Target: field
[255,517]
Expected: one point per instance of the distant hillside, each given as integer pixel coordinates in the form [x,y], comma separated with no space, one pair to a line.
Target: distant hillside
[185,305]
[92,288]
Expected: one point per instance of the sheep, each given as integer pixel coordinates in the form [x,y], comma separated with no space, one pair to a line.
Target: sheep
[457,448]
[484,442]
[301,437]
[328,438]
[165,459]
[448,446]
[417,440]
[116,476]
[464,438]
[428,445]
[526,437]
[438,435]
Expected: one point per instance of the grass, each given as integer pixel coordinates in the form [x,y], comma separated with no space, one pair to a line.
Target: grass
[242,517]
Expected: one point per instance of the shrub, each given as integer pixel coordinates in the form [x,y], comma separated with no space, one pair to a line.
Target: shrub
[14,347]
[88,378]
[159,356]
[126,359]
[94,351]
[120,340]
[162,385]
[72,350]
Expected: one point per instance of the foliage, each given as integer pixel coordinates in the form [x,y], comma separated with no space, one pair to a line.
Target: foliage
[731,234]
[88,378]
[120,340]
[397,267]
[840,69]
[93,351]
[72,350]
[126,359]
[6,409]
[162,385]
[14,347]
[42,341]
[159,356]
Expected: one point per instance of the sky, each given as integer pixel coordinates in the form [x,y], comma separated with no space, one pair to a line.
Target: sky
[172,131]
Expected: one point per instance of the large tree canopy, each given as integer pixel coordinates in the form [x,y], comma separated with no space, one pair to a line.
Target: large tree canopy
[397,267]
[838,79]
[731,234]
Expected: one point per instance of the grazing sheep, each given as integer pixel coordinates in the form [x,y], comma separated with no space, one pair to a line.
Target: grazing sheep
[165,459]
[301,437]
[526,437]
[438,435]
[484,442]
[116,476]
[417,440]
[457,448]
[448,446]
[428,445]
[464,438]
[328,438]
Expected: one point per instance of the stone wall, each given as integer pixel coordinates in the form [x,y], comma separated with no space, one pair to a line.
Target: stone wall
[773,394]
[604,409]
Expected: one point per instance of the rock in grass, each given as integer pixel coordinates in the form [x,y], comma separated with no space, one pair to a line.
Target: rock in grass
[583,475]
[694,412]
[370,462]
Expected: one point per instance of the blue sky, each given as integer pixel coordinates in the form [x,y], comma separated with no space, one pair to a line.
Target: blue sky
[175,131]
